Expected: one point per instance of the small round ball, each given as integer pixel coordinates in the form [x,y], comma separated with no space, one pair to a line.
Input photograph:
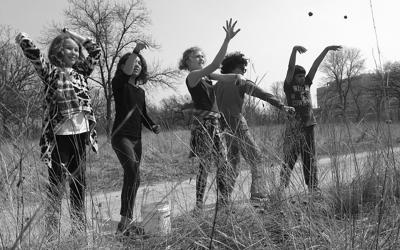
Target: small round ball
[310,13]
[345,17]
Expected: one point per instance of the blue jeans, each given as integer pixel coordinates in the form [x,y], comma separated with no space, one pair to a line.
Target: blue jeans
[129,153]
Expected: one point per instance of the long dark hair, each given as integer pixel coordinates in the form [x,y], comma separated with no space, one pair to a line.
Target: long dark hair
[55,54]
[143,76]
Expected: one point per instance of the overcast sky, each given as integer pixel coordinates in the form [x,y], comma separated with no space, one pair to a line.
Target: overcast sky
[269,29]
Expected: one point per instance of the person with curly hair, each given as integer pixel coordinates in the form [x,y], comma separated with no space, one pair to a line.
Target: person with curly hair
[230,99]
[130,115]
[69,122]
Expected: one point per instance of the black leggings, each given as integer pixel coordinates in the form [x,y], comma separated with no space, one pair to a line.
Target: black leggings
[129,153]
[68,163]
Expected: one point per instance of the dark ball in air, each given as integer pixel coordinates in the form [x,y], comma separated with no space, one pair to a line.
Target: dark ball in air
[345,17]
[310,13]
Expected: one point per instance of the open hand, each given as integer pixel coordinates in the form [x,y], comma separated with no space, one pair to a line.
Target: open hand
[156,129]
[300,49]
[230,29]
[140,45]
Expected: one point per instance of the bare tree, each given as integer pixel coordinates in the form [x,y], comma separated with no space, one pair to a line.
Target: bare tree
[115,26]
[19,87]
[277,90]
[341,69]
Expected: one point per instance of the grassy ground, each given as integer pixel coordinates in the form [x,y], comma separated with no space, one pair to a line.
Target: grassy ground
[362,214]
[165,156]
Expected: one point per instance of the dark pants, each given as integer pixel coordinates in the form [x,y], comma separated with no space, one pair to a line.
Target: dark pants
[129,153]
[300,141]
[68,163]
[207,145]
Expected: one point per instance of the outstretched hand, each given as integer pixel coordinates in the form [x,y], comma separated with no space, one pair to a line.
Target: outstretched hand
[140,45]
[300,49]
[230,29]
[334,47]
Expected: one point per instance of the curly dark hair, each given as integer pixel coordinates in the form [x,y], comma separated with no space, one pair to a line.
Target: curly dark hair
[299,70]
[232,61]
[143,76]
[183,62]
[55,53]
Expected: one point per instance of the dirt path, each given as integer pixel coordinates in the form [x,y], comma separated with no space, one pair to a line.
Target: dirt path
[181,195]
[103,208]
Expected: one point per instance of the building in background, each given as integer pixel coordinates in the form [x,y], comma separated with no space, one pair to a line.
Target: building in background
[360,98]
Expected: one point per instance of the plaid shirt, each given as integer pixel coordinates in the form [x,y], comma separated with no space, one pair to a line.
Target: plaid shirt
[65,94]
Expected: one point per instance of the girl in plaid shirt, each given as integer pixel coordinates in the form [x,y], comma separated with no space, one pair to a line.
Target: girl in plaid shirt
[69,121]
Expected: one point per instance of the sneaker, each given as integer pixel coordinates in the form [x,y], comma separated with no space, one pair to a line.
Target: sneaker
[129,229]
[258,197]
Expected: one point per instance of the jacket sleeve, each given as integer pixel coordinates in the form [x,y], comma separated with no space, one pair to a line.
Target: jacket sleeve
[86,66]
[35,56]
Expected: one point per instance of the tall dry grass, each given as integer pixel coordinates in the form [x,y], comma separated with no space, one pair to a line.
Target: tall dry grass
[359,207]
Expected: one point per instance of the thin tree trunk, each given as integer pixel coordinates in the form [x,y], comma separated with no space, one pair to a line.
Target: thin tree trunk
[108,117]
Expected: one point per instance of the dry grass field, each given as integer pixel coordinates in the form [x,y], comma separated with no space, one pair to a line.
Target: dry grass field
[356,212]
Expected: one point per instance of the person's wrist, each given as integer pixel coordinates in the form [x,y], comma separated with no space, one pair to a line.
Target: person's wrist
[136,51]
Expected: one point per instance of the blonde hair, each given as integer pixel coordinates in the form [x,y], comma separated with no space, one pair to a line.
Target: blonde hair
[55,53]
[183,62]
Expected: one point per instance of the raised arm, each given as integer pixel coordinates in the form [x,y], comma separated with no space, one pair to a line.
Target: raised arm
[94,52]
[252,89]
[292,62]
[81,39]
[318,60]
[128,67]
[35,56]
[196,75]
